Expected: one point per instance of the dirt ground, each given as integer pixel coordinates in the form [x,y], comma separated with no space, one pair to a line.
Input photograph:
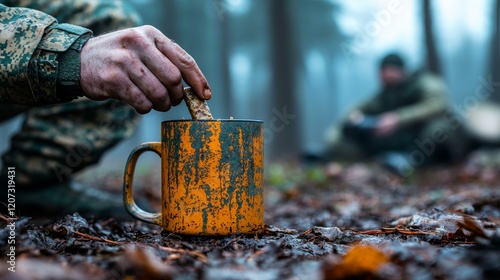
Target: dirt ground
[331,221]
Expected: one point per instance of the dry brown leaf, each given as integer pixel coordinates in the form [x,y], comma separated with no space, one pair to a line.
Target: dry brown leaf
[361,261]
[145,264]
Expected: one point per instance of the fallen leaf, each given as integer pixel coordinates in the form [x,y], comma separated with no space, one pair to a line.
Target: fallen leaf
[360,262]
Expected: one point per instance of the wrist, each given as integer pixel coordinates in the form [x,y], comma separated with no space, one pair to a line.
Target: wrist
[44,72]
[69,70]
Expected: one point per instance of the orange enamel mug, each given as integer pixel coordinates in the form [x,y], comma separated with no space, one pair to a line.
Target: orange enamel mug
[212,177]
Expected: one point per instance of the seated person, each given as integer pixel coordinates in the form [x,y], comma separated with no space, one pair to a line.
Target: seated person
[403,125]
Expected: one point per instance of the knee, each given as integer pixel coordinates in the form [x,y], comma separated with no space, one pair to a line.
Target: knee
[438,131]
[107,16]
[120,115]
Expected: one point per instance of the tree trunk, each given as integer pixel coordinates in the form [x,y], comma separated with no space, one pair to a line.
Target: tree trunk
[494,67]
[225,54]
[433,62]
[283,124]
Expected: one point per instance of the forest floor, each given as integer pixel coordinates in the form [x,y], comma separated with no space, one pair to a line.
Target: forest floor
[329,221]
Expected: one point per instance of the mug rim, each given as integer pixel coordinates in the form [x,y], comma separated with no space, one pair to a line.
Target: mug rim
[216,120]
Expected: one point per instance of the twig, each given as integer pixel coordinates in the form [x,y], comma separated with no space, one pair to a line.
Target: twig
[105,223]
[95,238]
[257,254]
[411,232]
[307,232]
[4,217]
[236,239]
[393,230]
[374,232]
[459,242]
[268,229]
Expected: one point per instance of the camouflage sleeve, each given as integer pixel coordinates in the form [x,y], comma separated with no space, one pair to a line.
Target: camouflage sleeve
[30,41]
[434,101]
[100,16]
[39,58]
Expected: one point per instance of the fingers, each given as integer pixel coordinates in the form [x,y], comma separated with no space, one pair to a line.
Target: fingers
[134,96]
[161,97]
[165,72]
[141,67]
[131,94]
[100,83]
[155,74]
[186,65]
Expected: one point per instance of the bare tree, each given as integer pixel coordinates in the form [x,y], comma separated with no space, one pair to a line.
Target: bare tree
[433,62]
[284,99]
[225,54]
[494,66]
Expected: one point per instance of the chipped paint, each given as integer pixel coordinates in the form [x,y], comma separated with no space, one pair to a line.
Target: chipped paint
[212,180]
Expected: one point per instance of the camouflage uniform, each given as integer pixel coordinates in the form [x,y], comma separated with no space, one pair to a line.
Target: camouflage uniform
[421,104]
[40,70]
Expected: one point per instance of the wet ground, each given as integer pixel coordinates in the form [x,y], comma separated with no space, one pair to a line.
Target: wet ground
[323,222]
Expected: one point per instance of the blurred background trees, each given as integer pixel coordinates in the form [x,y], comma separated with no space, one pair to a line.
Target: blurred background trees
[432,58]
[494,54]
[299,65]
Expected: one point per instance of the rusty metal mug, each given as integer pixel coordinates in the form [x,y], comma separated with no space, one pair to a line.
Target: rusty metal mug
[212,177]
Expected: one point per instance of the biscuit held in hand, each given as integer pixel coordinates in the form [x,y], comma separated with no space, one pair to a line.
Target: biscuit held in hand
[198,108]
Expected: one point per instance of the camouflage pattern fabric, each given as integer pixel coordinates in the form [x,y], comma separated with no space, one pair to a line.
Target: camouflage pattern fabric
[21,32]
[56,140]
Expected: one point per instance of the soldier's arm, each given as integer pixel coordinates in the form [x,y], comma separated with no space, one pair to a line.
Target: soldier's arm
[140,66]
[42,73]
[100,16]
[31,44]
[434,101]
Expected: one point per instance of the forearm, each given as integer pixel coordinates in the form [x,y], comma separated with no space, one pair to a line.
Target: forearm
[434,102]
[140,66]
[100,16]
[421,112]
[46,69]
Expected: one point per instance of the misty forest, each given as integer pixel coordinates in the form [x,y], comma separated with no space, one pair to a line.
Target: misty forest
[303,67]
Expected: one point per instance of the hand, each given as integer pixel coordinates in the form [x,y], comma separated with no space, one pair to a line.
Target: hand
[356,117]
[140,66]
[387,124]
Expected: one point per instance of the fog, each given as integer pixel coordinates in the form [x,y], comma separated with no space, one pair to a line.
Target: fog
[300,65]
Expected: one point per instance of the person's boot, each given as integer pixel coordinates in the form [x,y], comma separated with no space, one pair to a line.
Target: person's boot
[397,162]
[58,200]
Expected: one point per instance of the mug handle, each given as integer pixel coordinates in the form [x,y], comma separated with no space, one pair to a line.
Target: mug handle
[128,199]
